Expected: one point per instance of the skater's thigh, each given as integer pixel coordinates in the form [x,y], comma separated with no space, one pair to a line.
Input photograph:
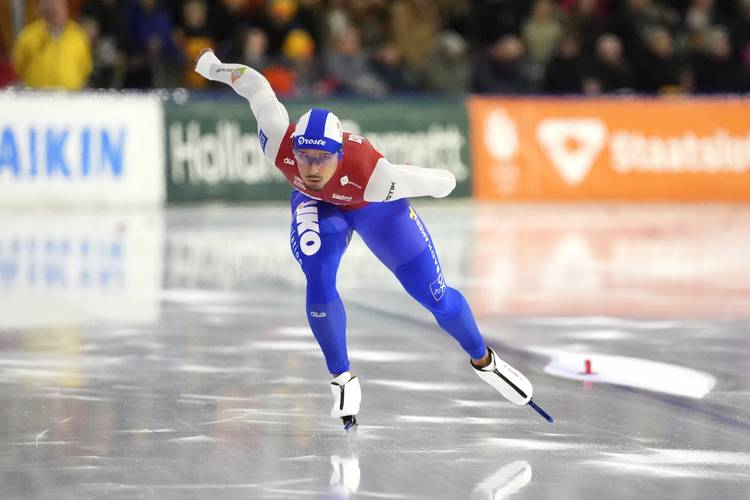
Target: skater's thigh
[392,231]
[319,234]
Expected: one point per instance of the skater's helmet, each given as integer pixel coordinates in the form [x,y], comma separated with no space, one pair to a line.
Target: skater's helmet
[319,129]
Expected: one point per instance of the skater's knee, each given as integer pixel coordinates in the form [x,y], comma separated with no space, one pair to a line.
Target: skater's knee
[320,271]
[449,305]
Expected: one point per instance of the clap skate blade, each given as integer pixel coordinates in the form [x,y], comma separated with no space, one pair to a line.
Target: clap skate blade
[349,422]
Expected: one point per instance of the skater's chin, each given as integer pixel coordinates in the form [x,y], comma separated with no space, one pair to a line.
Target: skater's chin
[314,185]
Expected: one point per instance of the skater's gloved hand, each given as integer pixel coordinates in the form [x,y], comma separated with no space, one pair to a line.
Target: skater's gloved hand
[203,63]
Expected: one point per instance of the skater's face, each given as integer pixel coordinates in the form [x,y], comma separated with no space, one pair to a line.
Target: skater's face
[315,167]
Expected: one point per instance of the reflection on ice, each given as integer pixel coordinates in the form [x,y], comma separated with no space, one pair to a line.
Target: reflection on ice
[346,475]
[68,268]
[507,481]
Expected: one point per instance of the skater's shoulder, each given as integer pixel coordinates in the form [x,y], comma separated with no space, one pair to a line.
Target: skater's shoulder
[359,152]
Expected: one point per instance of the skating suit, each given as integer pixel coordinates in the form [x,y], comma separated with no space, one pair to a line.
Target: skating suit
[322,226]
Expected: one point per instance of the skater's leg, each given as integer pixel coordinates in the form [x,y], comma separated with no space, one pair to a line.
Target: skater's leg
[398,237]
[319,237]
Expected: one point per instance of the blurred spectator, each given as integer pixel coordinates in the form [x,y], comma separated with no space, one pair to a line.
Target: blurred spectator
[587,20]
[293,72]
[337,19]
[740,25]
[14,15]
[714,71]
[502,69]
[372,19]
[700,18]
[349,67]
[53,51]
[456,16]
[389,68]
[741,36]
[254,49]
[600,7]
[610,72]
[659,70]
[491,19]
[7,13]
[230,20]
[102,20]
[448,64]
[702,15]
[281,79]
[368,47]
[154,59]
[278,20]
[635,16]
[415,24]
[311,18]
[542,32]
[565,71]
[299,52]
[195,36]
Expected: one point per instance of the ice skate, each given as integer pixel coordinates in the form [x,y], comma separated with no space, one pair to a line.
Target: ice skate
[506,380]
[347,396]
[509,382]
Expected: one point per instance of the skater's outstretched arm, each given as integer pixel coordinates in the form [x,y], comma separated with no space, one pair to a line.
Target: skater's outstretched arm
[272,117]
[391,182]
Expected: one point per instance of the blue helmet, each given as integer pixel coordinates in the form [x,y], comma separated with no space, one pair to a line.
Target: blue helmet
[319,129]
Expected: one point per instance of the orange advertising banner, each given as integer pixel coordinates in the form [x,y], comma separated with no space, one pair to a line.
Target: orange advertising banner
[676,149]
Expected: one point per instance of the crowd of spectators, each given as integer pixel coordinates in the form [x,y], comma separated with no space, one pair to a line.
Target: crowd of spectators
[378,47]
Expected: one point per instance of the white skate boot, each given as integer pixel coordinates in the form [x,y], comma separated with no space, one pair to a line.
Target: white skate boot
[506,380]
[510,383]
[347,397]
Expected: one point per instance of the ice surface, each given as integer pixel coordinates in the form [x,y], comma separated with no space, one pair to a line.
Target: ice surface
[166,355]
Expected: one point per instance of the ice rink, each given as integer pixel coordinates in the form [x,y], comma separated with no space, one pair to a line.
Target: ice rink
[167,355]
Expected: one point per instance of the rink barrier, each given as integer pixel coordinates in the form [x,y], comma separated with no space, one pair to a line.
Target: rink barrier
[62,149]
[125,149]
[212,149]
[631,149]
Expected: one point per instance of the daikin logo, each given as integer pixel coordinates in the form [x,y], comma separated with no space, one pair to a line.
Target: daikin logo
[572,145]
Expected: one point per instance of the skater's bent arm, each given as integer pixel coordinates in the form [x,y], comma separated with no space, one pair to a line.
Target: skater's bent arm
[272,117]
[390,182]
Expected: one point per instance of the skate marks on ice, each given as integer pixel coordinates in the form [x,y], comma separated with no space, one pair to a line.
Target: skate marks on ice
[461,420]
[675,463]
[304,342]
[44,433]
[412,386]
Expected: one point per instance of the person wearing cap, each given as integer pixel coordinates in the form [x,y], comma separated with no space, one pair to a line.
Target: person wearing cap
[343,184]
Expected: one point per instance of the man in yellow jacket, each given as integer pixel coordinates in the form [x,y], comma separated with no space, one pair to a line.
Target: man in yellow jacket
[54,51]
